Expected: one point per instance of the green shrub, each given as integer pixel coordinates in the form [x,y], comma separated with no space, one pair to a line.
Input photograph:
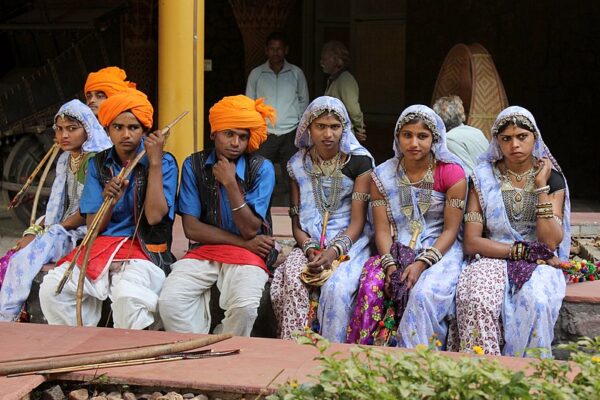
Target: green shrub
[369,373]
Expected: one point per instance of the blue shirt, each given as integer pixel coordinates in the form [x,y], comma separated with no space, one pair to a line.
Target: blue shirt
[122,222]
[286,91]
[257,198]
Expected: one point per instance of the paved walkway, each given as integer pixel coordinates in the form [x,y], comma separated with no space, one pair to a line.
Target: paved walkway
[261,363]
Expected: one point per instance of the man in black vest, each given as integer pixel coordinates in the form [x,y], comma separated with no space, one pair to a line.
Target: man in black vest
[224,202]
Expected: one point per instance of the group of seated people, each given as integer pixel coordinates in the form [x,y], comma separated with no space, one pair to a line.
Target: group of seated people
[403,253]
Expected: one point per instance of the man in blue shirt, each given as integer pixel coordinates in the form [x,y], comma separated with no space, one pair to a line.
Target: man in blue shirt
[125,264]
[224,202]
[284,87]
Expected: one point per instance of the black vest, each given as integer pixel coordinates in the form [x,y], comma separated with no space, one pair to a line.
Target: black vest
[208,192]
[159,234]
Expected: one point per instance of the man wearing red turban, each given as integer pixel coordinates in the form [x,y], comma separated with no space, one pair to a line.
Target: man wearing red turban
[224,202]
[145,200]
[103,84]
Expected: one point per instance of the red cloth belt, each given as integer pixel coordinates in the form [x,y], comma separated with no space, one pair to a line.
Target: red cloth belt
[102,252]
[228,254]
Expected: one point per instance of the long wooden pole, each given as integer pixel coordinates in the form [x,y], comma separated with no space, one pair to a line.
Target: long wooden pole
[148,352]
[17,199]
[38,192]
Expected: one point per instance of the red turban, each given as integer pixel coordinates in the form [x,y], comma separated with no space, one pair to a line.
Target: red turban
[130,100]
[241,112]
[110,80]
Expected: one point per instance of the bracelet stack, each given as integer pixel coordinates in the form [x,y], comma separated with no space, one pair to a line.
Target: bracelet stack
[34,230]
[544,210]
[387,260]
[429,256]
[518,251]
[309,244]
[342,244]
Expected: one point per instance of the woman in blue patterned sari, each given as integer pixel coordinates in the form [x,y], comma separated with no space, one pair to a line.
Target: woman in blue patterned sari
[418,196]
[79,135]
[329,198]
[517,217]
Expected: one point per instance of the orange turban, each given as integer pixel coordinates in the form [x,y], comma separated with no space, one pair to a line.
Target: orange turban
[241,112]
[110,80]
[130,100]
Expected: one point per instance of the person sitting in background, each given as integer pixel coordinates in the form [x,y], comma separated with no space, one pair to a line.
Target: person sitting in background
[467,142]
[104,83]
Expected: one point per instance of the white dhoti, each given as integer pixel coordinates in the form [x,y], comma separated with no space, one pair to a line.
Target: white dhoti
[185,298]
[133,289]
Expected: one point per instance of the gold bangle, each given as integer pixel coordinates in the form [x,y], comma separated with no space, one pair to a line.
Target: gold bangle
[456,203]
[294,211]
[379,203]
[359,196]
[473,216]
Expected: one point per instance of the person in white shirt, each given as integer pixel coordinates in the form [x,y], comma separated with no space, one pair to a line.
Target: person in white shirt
[283,86]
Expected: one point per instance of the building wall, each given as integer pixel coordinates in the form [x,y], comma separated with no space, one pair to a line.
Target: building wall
[546,53]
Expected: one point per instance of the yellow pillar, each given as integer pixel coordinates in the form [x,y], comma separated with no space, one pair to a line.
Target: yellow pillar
[181,73]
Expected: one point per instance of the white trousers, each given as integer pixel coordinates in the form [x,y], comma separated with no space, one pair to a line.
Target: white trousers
[185,298]
[133,289]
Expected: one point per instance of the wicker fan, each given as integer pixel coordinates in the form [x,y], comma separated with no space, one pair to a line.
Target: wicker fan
[469,72]
[256,20]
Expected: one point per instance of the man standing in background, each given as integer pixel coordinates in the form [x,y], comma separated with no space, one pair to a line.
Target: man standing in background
[283,86]
[335,59]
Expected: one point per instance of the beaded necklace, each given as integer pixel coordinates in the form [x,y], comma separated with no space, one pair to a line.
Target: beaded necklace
[332,171]
[405,187]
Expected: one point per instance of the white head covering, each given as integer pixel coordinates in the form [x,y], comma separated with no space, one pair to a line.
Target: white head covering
[348,142]
[97,139]
[435,124]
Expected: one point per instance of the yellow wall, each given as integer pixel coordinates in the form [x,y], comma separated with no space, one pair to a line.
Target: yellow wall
[181,73]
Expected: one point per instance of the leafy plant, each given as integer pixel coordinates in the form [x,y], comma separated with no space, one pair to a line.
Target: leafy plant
[370,373]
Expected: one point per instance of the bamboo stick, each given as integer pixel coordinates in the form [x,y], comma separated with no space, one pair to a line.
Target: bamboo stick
[36,199]
[17,199]
[149,352]
[116,364]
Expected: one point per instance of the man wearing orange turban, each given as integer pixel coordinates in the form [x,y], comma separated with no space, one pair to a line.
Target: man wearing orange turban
[224,202]
[103,84]
[145,199]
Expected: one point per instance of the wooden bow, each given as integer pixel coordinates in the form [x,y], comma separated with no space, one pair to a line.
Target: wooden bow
[94,227]
[50,156]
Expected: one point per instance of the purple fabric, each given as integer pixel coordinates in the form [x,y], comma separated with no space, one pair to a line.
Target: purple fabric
[404,256]
[4,264]
[369,309]
[520,271]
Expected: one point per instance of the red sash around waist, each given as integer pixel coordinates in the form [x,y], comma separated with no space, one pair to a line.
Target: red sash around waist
[105,250]
[225,253]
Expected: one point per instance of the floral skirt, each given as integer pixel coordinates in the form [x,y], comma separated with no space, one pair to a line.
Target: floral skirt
[369,308]
[289,296]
